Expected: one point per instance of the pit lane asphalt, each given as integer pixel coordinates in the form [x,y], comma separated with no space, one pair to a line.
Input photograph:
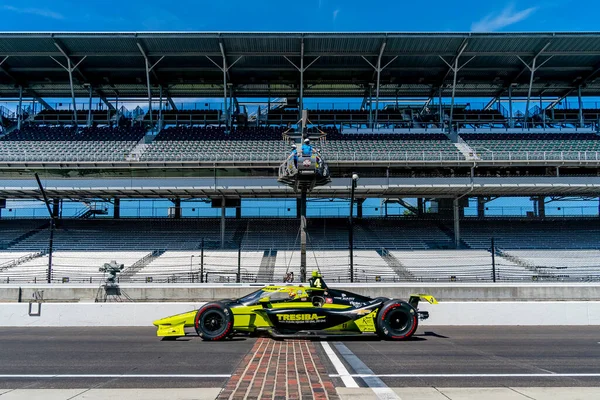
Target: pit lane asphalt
[440,350]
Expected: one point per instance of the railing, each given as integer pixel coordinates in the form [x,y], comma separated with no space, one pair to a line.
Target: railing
[500,272]
[381,156]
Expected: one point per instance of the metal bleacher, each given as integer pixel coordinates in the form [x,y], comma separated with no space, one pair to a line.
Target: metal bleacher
[530,146]
[386,250]
[45,143]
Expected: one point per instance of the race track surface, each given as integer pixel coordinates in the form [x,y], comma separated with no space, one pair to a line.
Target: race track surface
[65,358]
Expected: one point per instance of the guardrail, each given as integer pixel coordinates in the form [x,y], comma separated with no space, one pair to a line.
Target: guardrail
[387,156]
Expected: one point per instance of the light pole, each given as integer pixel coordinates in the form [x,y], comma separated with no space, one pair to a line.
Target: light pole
[351,230]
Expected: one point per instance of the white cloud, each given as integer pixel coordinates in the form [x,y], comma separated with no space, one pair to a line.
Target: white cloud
[35,11]
[508,16]
[335,13]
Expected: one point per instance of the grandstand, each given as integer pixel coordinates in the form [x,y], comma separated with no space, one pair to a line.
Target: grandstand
[414,132]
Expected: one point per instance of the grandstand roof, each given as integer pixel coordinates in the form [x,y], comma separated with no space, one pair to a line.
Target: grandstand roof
[341,64]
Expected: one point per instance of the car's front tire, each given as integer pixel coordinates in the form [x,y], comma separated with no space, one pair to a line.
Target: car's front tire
[396,320]
[214,321]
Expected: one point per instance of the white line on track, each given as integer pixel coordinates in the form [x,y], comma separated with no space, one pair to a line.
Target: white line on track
[116,375]
[379,388]
[339,366]
[552,375]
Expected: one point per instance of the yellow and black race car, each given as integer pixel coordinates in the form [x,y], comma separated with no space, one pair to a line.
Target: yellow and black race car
[293,311]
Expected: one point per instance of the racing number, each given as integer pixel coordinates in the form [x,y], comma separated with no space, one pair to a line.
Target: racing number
[318,283]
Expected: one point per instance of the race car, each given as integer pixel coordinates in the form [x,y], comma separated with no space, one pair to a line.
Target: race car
[293,311]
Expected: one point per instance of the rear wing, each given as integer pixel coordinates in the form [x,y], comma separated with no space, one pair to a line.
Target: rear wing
[415,298]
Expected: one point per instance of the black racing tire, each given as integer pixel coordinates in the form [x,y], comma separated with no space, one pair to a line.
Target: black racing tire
[214,321]
[396,320]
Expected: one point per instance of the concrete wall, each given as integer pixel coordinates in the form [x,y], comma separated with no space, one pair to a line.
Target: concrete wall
[203,292]
[446,313]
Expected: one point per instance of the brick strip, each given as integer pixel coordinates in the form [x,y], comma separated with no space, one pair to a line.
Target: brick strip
[280,370]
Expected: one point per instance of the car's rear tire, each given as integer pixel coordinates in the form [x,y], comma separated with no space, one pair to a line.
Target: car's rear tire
[396,320]
[214,321]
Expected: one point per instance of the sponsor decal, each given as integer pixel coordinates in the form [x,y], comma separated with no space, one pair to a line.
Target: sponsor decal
[306,163]
[299,318]
[329,300]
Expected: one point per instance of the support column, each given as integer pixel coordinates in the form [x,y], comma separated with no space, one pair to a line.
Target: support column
[223,222]
[441,110]
[89,118]
[455,208]
[541,207]
[298,208]
[238,211]
[149,90]
[370,105]
[378,82]
[359,208]
[117,208]
[20,111]
[70,70]
[511,122]
[303,236]
[532,69]
[580,106]
[177,203]
[224,69]
[160,107]
[301,102]
[420,205]
[455,70]
[55,208]
[480,207]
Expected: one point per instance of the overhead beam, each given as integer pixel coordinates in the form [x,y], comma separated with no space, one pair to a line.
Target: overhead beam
[522,71]
[567,93]
[102,97]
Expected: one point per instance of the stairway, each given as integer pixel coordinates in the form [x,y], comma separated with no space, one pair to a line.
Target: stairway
[22,260]
[466,150]
[530,267]
[395,265]
[267,267]
[140,264]
[138,150]
[450,233]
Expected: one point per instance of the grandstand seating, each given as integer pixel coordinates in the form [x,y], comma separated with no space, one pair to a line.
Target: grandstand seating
[459,265]
[525,234]
[45,143]
[206,143]
[186,117]
[385,250]
[264,143]
[561,264]
[66,116]
[572,115]
[391,146]
[469,117]
[533,146]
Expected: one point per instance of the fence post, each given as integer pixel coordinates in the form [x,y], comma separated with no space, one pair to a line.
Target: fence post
[493,261]
[202,261]
[239,271]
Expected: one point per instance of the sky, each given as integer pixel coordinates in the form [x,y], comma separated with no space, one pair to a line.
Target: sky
[306,15]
